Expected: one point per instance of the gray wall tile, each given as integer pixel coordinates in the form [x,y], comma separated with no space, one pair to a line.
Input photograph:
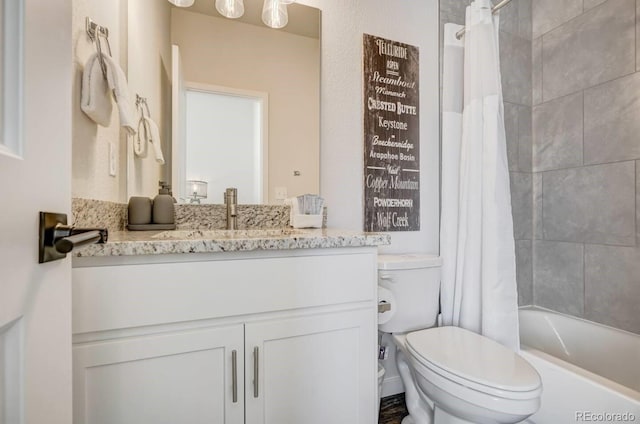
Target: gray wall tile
[521,205]
[588,4]
[596,47]
[515,66]
[548,14]
[524,272]
[612,121]
[511,131]
[538,233]
[637,35]
[557,133]
[558,276]
[638,203]
[525,139]
[515,18]
[594,204]
[612,286]
[509,19]
[525,17]
[536,72]
[453,7]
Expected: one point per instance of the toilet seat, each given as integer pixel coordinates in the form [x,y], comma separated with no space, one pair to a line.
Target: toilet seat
[475,362]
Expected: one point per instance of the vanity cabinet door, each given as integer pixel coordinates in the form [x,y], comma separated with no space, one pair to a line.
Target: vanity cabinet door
[315,369]
[184,377]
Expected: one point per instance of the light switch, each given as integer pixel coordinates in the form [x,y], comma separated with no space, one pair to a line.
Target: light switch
[113,160]
[281,193]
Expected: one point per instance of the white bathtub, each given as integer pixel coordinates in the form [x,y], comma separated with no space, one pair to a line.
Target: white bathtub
[588,370]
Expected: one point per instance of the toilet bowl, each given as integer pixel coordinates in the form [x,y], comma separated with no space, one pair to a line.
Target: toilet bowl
[451,375]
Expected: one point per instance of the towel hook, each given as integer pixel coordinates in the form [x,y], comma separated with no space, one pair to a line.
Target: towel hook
[95,32]
[141,103]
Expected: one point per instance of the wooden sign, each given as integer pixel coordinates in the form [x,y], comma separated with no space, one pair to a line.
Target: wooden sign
[391,136]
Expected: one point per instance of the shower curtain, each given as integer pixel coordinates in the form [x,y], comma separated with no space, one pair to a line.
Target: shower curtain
[476,235]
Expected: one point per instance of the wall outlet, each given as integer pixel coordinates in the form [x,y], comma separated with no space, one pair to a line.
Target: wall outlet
[281,193]
[113,160]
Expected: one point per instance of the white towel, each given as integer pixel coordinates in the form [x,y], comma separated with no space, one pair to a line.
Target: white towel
[141,139]
[96,95]
[118,83]
[153,134]
[148,133]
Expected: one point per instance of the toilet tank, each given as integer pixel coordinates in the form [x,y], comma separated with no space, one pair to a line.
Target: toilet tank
[413,281]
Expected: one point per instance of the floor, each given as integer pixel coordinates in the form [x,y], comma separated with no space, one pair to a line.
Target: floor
[392,410]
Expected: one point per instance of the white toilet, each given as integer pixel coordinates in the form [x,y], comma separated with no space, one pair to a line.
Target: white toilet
[450,375]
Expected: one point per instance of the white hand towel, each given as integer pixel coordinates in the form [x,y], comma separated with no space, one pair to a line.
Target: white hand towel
[141,139]
[96,93]
[153,134]
[118,83]
[95,101]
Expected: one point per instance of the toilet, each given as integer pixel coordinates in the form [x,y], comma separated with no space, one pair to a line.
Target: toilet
[450,375]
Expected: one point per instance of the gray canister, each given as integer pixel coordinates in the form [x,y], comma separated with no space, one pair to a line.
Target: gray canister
[163,210]
[139,210]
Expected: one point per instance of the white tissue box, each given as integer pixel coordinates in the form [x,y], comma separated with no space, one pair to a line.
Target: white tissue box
[306,221]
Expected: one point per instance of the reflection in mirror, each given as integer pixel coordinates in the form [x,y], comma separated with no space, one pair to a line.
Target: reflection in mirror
[226,137]
[241,56]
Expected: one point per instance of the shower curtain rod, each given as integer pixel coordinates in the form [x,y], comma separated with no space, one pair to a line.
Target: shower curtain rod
[494,9]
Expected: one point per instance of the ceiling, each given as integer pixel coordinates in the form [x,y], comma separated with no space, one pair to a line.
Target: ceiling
[303,20]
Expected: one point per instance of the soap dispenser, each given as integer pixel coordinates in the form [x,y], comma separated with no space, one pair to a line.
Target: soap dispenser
[163,209]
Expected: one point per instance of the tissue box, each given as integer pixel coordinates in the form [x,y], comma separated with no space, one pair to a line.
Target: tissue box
[306,221]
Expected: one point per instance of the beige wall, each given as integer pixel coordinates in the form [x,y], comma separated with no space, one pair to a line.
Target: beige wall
[150,46]
[222,52]
[90,164]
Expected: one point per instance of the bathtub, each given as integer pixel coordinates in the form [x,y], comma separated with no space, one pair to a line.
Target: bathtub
[590,372]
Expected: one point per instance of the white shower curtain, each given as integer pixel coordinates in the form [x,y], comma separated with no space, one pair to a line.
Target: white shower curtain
[476,235]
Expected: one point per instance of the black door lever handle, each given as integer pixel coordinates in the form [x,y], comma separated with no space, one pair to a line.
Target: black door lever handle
[57,238]
[68,238]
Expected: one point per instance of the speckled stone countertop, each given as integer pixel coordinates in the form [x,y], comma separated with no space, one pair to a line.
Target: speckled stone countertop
[130,243]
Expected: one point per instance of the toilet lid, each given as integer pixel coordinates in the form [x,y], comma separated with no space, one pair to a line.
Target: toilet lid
[469,356]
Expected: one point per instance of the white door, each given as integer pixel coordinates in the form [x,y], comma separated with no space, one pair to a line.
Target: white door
[194,376]
[313,370]
[35,175]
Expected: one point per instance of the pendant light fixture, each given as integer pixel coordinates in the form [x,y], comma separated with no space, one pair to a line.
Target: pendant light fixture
[274,13]
[230,8]
[182,3]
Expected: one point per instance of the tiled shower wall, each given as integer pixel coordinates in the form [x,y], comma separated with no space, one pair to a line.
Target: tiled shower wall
[571,85]
[516,68]
[586,159]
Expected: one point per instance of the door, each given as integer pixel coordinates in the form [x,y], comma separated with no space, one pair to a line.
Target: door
[314,370]
[35,175]
[194,376]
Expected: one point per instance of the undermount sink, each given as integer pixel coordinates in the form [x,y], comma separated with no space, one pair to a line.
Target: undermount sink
[227,234]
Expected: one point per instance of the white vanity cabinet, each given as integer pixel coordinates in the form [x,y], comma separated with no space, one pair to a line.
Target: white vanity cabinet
[242,337]
[182,377]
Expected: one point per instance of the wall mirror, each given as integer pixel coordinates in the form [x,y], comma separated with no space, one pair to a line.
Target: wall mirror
[243,102]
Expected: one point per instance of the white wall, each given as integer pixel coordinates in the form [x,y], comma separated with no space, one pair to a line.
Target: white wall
[90,165]
[342,145]
[140,52]
[341,128]
[222,52]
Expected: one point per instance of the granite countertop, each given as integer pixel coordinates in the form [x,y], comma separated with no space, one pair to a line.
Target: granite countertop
[130,243]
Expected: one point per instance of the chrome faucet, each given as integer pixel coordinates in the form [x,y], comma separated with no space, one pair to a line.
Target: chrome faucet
[231,200]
